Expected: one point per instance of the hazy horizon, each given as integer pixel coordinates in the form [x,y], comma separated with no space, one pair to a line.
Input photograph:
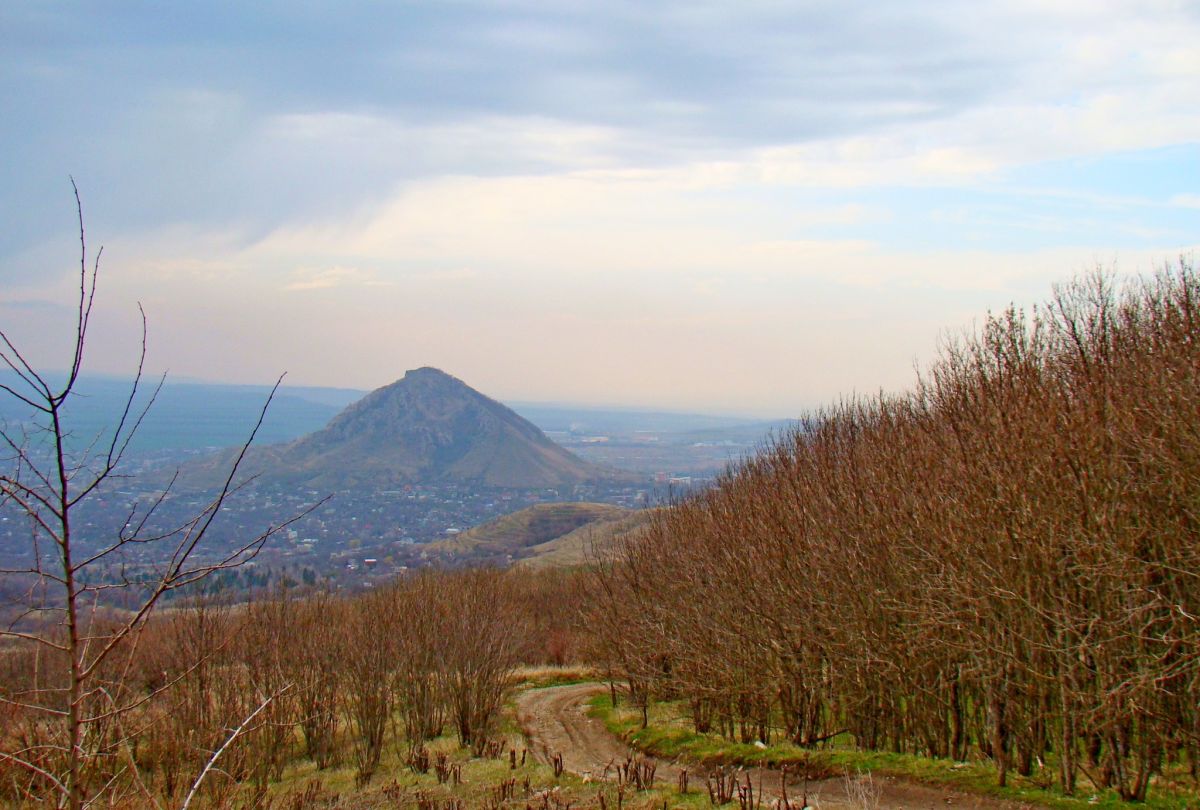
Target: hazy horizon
[514,403]
[751,209]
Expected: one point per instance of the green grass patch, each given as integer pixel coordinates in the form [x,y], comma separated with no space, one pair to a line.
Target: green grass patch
[669,735]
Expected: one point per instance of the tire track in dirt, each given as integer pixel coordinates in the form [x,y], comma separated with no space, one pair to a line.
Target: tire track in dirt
[555,721]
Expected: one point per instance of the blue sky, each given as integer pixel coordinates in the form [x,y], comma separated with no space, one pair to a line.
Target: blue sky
[751,207]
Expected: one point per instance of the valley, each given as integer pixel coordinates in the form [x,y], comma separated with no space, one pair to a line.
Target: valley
[383,485]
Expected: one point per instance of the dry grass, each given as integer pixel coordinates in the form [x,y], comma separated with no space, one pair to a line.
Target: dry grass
[541,676]
[862,791]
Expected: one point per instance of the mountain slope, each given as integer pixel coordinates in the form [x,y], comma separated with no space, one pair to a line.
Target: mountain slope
[547,535]
[533,526]
[595,540]
[427,427]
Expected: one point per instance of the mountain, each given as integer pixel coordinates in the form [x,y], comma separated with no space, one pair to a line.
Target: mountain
[427,427]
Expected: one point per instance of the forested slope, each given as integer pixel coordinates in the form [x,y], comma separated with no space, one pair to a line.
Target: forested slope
[1003,562]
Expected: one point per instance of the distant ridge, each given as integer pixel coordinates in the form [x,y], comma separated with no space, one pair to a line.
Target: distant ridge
[513,533]
[546,535]
[427,427]
[592,541]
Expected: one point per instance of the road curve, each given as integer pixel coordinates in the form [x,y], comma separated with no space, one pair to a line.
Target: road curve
[555,721]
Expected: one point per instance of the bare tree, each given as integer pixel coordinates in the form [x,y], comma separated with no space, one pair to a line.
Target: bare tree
[484,640]
[365,649]
[82,627]
[1004,559]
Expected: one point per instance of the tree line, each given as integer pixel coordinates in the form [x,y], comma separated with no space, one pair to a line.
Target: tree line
[236,692]
[1003,562]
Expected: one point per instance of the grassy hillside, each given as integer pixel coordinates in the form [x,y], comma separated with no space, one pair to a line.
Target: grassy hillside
[520,532]
[576,547]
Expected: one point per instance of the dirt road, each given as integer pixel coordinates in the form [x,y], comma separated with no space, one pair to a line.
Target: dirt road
[555,721]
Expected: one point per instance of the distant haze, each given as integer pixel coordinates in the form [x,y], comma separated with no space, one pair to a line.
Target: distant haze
[748,208]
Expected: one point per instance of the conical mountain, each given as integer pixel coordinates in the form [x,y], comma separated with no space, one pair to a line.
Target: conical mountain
[427,427]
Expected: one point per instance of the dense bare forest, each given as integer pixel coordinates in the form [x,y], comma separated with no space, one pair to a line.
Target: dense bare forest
[1002,563]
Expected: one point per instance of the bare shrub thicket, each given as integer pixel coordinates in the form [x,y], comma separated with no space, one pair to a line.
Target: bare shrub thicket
[364,649]
[244,689]
[483,643]
[1003,563]
[314,664]
[548,599]
[417,680]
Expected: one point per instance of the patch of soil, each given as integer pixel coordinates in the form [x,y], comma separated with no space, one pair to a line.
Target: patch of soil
[555,721]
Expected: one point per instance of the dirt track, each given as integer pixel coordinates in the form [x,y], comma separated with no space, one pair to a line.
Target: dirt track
[555,721]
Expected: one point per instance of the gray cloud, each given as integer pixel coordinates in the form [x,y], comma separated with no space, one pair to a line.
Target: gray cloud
[170,112]
[241,118]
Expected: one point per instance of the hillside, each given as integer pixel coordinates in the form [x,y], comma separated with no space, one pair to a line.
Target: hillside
[427,427]
[589,541]
[517,533]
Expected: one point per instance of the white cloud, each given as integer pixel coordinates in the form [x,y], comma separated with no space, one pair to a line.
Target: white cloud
[329,277]
[687,188]
[650,288]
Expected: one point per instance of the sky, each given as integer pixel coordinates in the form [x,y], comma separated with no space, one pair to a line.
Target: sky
[753,207]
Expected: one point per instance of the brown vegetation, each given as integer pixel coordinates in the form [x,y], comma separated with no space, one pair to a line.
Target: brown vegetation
[321,677]
[517,534]
[1003,563]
